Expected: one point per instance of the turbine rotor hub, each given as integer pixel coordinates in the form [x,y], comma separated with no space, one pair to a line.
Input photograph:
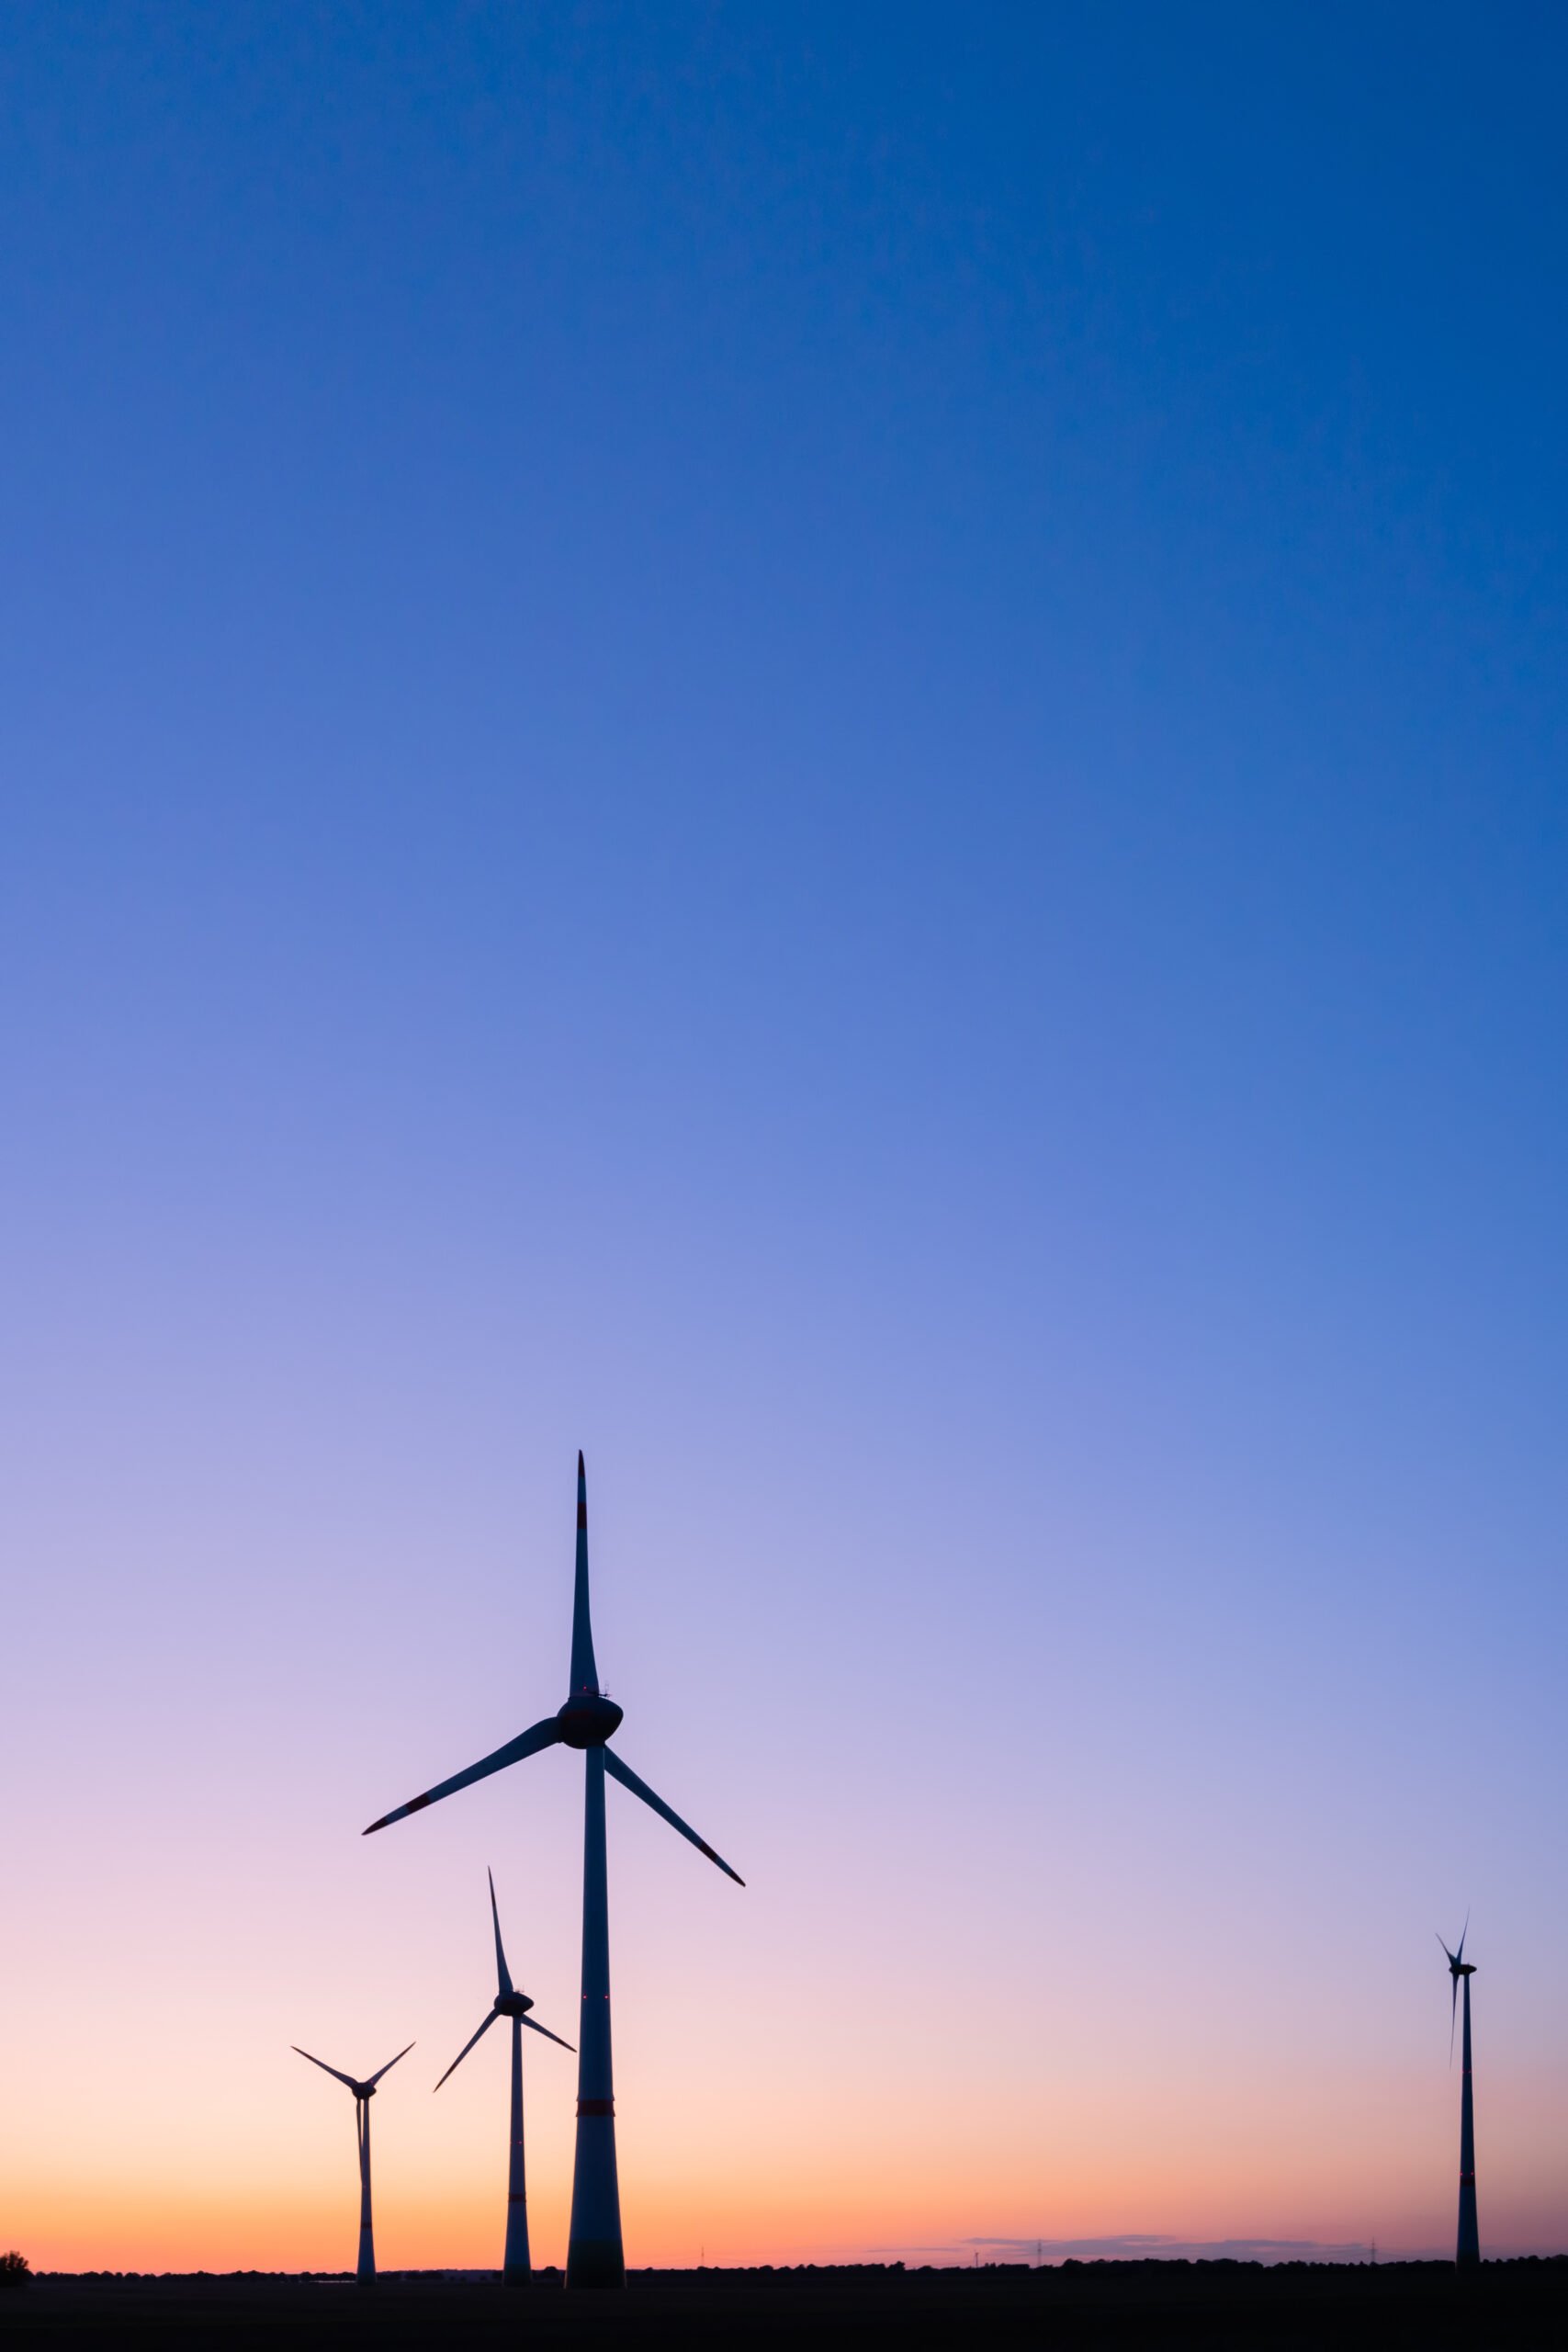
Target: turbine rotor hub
[588,1719]
[513,2005]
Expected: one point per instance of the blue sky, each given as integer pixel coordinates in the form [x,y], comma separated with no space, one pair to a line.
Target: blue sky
[825,749]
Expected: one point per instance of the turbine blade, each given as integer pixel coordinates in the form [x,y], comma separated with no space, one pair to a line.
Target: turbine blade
[500,1955]
[628,1780]
[1448,1955]
[546,2031]
[389,2066]
[469,2045]
[1460,1954]
[584,1673]
[328,2070]
[527,1743]
[1453,2017]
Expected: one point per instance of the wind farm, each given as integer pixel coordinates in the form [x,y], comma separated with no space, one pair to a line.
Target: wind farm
[1138,2298]
[821,754]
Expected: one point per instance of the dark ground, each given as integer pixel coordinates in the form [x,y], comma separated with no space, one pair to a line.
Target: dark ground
[1131,2304]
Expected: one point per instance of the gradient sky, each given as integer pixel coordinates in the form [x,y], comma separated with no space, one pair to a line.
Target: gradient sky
[823,747]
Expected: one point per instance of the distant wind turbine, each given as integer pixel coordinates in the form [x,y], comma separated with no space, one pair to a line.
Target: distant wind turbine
[1462,1970]
[594,2253]
[510,2003]
[363,2095]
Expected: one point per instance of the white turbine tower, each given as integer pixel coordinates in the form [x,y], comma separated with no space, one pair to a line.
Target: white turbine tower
[594,2255]
[510,2003]
[363,2095]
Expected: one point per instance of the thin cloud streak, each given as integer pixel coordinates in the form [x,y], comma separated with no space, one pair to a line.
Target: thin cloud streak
[1150,2246]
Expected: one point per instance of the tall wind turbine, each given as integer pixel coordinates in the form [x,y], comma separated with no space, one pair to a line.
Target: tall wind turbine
[594,2253]
[510,2003]
[363,2095]
[1462,1970]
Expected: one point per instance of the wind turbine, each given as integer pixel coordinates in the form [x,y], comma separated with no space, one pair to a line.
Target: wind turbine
[594,2253]
[510,2003]
[1462,1970]
[363,2095]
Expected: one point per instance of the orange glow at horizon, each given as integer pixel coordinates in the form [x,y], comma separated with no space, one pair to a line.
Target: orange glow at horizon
[869,2194]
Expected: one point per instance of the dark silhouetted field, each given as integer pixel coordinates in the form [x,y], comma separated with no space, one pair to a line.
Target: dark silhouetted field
[1138,2305]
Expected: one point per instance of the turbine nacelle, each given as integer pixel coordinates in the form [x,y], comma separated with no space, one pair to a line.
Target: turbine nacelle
[1460,1969]
[360,2090]
[588,1719]
[512,2004]
[1458,1964]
